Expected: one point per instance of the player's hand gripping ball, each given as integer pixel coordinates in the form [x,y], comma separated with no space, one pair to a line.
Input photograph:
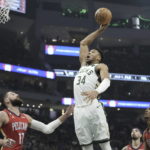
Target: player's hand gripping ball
[103,16]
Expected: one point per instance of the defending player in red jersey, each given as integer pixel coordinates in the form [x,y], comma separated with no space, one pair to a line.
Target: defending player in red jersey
[17,125]
[14,124]
[136,143]
[146,134]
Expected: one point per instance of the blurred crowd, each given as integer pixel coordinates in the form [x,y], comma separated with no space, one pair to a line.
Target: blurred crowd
[64,87]
[16,49]
[21,82]
[130,60]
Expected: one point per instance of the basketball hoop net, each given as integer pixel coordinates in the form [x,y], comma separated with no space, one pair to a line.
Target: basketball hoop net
[4,11]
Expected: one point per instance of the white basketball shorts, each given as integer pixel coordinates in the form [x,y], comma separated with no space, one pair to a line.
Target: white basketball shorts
[91,124]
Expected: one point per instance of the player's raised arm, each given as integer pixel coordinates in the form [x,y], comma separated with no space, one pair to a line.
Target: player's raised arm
[84,44]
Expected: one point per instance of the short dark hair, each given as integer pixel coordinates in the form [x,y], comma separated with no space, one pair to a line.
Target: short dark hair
[101,54]
[2,98]
[138,129]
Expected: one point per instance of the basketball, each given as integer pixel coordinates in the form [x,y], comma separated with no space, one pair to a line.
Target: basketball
[103,16]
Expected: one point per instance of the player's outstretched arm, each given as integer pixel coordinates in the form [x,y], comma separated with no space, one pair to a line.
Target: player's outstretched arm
[84,44]
[50,128]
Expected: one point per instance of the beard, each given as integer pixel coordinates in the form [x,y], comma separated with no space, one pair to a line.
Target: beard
[88,62]
[17,102]
[134,138]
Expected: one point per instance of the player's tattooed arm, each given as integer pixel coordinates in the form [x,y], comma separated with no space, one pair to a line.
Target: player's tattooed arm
[5,142]
[1,118]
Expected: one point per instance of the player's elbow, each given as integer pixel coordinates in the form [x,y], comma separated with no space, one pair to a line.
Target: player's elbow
[83,43]
[48,130]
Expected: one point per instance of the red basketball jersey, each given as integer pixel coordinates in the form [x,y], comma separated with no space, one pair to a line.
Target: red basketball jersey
[141,147]
[15,129]
[146,137]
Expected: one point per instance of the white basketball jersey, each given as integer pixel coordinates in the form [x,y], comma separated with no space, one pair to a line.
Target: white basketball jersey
[85,80]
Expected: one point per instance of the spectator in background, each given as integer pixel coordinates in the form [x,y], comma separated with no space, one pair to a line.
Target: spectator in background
[136,142]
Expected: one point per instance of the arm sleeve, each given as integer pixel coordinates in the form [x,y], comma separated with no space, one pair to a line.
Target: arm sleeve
[103,86]
[45,128]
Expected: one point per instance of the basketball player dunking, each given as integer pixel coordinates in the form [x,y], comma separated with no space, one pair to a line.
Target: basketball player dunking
[14,124]
[146,134]
[136,142]
[89,117]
